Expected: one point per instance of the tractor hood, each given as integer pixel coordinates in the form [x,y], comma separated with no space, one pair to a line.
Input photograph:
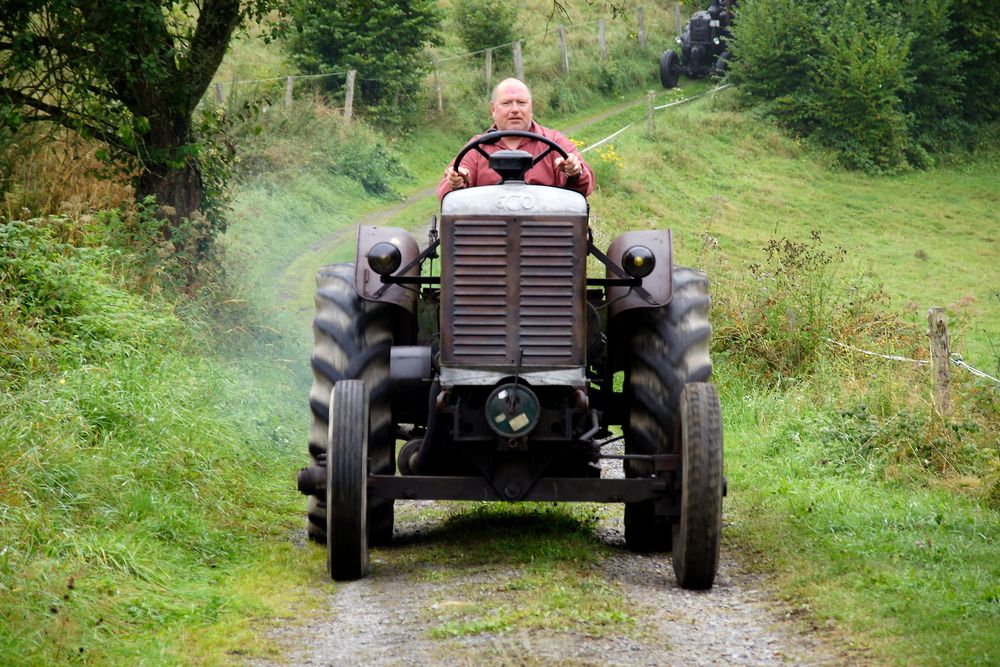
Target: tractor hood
[514,199]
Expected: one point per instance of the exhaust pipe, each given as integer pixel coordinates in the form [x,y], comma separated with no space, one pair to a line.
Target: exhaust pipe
[417,456]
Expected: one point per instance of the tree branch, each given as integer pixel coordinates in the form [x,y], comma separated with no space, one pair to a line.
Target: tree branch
[216,23]
[61,117]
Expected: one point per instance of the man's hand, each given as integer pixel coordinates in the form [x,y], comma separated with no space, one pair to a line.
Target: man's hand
[457,179]
[571,166]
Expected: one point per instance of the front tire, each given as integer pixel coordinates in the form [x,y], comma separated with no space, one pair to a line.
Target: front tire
[670,70]
[697,534]
[347,482]
[669,348]
[353,339]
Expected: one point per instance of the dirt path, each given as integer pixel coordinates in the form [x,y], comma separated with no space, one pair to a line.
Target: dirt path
[381,621]
[384,619]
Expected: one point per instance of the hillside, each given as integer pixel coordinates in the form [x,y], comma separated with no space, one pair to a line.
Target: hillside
[149,437]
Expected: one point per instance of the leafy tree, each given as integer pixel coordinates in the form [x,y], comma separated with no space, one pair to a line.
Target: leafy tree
[880,81]
[937,72]
[975,30]
[482,24]
[129,73]
[380,39]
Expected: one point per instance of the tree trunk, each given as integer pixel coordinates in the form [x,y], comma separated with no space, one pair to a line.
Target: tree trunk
[178,190]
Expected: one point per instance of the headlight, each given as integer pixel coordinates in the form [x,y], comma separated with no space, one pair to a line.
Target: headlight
[638,261]
[384,258]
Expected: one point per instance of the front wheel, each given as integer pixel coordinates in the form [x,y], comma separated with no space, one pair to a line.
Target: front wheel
[698,532]
[670,69]
[347,482]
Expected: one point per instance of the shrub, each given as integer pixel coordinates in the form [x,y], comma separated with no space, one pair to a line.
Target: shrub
[880,82]
[855,97]
[383,41]
[52,292]
[975,31]
[314,135]
[482,24]
[798,298]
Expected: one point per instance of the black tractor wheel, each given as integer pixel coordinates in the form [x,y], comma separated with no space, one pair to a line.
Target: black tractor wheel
[353,339]
[347,482]
[698,532]
[669,347]
[670,69]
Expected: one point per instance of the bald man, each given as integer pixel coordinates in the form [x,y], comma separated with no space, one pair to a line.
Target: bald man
[510,107]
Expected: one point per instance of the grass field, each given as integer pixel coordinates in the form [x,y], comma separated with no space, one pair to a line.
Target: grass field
[148,444]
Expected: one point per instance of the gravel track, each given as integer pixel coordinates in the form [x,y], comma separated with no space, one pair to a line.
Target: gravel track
[383,620]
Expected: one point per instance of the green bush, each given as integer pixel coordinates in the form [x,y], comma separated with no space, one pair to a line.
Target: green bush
[482,24]
[383,41]
[774,48]
[800,296]
[312,135]
[880,82]
[65,291]
[975,31]
[855,97]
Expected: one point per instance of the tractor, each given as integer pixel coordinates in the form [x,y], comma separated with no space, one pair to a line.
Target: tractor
[508,373]
[703,46]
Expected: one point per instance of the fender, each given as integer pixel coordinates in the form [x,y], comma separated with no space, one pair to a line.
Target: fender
[367,282]
[658,283]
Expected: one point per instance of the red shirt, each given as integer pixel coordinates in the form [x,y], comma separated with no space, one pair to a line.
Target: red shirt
[543,173]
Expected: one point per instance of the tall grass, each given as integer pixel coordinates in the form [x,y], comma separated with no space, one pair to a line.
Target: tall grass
[129,485]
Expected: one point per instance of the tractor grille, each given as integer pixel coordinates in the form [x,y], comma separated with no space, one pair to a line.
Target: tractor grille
[700,29]
[513,288]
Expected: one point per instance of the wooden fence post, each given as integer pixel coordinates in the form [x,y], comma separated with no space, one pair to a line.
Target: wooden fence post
[940,360]
[602,39]
[677,19]
[219,99]
[489,70]
[649,111]
[437,81]
[563,50]
[642,27]
[349,94]
[288,95]
[518,61]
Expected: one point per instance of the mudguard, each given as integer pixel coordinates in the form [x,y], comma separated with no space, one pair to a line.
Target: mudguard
[368,283]
[657,285]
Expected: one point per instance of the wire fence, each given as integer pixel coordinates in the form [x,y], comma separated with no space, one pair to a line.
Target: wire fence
[508,57]
[940,362]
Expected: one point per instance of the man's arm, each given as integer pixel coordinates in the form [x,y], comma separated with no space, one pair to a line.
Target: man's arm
[573,173]
[453,180]
[467,175]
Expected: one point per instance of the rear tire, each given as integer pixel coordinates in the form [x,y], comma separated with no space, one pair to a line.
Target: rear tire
[697,534]
[669,348]
[347,482]
[353,339]
[670,70]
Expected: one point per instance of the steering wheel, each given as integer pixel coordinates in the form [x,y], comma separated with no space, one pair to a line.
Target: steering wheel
[496,135]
